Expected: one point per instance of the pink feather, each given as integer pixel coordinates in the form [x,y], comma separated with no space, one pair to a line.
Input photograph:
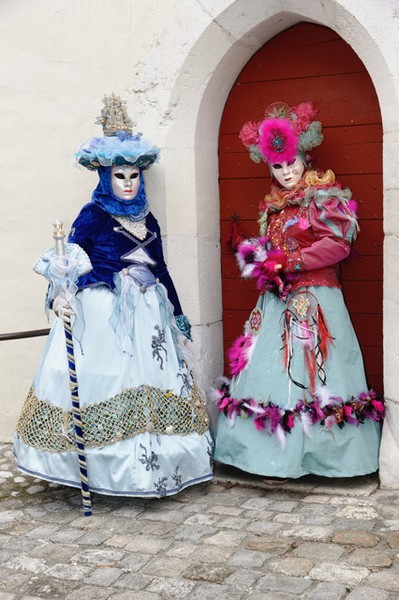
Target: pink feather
[278,141]
[352,205]
[239,352]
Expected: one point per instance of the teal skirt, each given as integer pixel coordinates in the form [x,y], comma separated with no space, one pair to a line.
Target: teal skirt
[277,374]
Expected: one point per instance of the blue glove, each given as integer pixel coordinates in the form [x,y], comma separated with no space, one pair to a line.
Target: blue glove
[184,325]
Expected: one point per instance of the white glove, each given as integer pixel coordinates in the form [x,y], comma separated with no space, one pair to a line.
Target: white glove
[62,308]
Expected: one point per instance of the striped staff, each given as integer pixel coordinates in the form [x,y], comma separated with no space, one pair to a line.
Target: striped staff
[59,235]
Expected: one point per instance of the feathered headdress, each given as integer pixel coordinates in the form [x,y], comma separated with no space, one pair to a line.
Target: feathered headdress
[118,146]
[284,132]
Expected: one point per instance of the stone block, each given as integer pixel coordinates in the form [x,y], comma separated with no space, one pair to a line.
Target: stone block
[276,583]
[366,593]
[269,545]
[181,550]
[88,592]
[202,519]
[362,539]
[308,532]
[212,554]
[148,544]
[319,552]
[244,578]
[339,572]
[133,581]
[362,513]
[99,556]
[68,572]
[175,589]
[231,511]
[212,574]
[193,532]
[165,566]
[371,558]
[104,576]
[328,591]
[234,523]
[248,558]
[297,567]
[383,580]
[226,538]
[285,506]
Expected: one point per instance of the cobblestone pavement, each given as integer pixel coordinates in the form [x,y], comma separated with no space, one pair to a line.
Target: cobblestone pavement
[234,539]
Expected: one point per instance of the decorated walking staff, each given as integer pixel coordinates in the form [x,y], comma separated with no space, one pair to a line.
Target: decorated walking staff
[66,264]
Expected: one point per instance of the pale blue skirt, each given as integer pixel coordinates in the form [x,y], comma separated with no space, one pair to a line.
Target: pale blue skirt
[146,429]
[327,451]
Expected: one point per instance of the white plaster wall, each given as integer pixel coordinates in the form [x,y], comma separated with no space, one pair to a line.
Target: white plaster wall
[175,62]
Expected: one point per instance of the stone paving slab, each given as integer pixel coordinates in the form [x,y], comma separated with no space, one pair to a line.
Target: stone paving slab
[234,538]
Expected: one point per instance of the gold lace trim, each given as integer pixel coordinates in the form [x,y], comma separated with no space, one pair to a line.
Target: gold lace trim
[133,411]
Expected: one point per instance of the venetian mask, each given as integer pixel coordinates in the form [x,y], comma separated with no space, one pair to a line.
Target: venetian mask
[125,181]
[288,174]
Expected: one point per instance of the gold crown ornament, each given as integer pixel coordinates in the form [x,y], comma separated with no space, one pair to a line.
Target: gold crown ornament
[114,116]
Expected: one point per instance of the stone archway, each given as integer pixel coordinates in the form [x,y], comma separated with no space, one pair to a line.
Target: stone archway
[195,110]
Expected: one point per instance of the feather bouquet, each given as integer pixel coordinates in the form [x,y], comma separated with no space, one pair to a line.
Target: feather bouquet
[259,260]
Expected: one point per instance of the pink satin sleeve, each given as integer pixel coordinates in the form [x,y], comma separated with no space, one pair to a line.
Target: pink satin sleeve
[325,252]
[330,225]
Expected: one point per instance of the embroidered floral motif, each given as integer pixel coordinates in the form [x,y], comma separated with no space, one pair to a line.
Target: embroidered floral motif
[255,320]
[150,461]
[158,346]
[161,486]
[177,478]
[186,380]
[301,304]
[210,450]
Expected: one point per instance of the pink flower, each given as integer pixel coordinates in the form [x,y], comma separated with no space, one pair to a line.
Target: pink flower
[379,406]
[305,115]
[224,403]
[256,320]
[347,410]
[249,134]
[290,421]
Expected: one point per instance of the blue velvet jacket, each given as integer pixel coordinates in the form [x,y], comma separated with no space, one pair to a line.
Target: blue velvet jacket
[107,242]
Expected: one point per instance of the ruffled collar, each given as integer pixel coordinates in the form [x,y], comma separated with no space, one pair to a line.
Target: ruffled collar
[314,184]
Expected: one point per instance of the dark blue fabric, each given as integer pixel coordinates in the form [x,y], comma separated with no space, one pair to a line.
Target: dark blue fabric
[105,198]
[107,242]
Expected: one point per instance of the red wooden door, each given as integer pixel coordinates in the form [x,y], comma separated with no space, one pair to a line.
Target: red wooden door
[309,62]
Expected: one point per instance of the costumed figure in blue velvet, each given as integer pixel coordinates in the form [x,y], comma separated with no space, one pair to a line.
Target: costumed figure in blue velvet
[145,425]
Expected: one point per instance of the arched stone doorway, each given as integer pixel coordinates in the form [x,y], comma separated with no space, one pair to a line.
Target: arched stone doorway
[310,62]
[193,118]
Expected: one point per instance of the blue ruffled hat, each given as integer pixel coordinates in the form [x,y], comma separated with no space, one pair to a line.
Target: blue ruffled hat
[118,146]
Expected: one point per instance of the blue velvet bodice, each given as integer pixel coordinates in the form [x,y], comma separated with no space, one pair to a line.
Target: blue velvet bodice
[107,243]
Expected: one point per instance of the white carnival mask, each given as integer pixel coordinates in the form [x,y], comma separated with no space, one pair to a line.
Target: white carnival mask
[288,174]
[125,181]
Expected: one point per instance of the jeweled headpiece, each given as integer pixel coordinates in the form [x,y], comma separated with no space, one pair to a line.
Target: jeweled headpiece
[118,146]
[114,116]
[284,132]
